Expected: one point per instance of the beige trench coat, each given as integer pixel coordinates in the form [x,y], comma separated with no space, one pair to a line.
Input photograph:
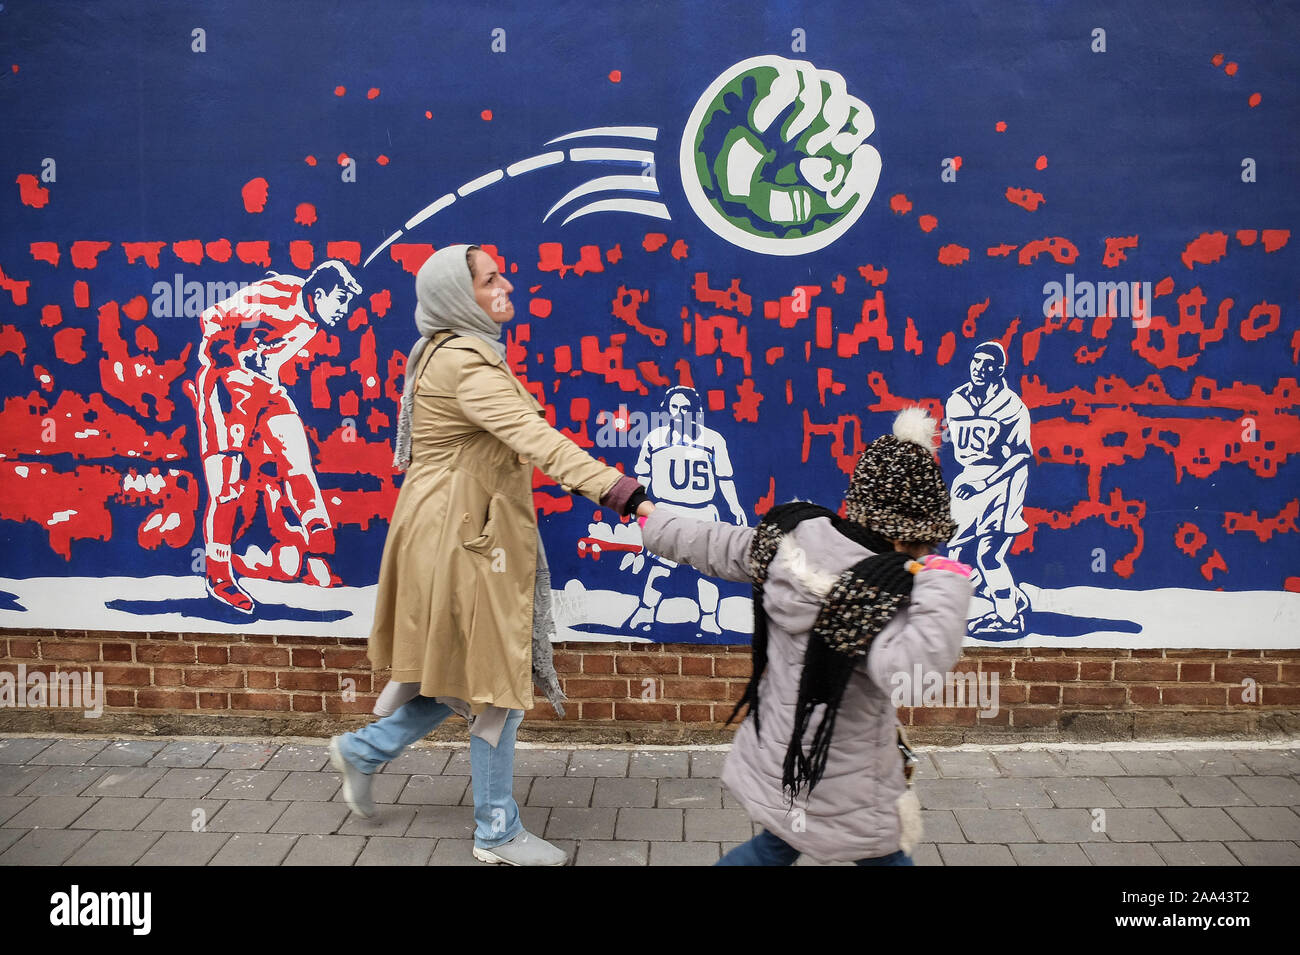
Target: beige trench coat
[454,610]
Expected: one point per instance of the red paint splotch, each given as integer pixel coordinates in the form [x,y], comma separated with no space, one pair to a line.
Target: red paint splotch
[1205,249]
[148,251]
[1000,126]
[1255,100]
[372,93]
[304,214]
[410,255]
[953,254]
[1024,198]
[900,204]
[486,115]
[1274,239]
[45,252]
[254,194]
[31,192]
[1235,522]
[927,223]
[1040,163]
[550,258]
[68,345]
[627,303]
[85,254]
[1116,245]
[616,76]
[1058,247]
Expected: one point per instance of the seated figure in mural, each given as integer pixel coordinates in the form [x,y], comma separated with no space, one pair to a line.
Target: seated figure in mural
[989,426]
[684,465]
[841,605]
[249,424]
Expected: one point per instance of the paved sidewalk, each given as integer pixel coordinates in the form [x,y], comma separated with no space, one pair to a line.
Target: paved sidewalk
[84,801]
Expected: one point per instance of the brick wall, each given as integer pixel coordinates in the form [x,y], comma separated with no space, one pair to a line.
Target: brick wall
[644,689]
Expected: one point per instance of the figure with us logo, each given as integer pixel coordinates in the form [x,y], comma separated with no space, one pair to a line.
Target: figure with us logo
[684,466]
[989,427]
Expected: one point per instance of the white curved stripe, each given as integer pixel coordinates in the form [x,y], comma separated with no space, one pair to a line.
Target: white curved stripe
[432,208]
[474,185]
[643,207]
[535,162]
[606,184]
[633,132]
[385,244]
[596,154]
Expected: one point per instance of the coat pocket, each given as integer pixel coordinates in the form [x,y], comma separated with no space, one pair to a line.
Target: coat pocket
[487,537]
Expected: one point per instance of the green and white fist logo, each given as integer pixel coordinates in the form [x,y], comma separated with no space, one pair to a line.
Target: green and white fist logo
[773,157]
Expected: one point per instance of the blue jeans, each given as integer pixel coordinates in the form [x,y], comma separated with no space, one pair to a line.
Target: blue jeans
[492,768]
[767,849]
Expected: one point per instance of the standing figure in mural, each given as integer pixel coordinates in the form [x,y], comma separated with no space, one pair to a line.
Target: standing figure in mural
[462,610]
[989,426]
[247,421]
[685,466]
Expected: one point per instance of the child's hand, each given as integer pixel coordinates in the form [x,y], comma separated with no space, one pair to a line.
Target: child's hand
[935,562]
[644,510]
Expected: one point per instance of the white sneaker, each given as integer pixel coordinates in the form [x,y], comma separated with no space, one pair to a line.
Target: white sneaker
[356,784]
[523,849]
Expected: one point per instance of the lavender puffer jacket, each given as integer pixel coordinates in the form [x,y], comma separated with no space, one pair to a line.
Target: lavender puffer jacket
[862,807]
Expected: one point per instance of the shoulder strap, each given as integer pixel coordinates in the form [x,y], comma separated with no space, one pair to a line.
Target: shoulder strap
[425,363]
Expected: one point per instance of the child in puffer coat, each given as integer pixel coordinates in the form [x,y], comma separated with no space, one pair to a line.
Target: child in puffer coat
[841,605]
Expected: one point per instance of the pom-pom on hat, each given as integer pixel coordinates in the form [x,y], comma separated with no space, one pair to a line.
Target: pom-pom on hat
[897,489]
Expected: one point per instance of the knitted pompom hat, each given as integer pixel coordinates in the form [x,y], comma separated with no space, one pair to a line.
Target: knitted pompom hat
[897,489]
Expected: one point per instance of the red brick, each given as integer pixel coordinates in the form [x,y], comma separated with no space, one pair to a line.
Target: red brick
[1280,695]
[593,709]
[1093,696]
[943,716]
[1009,693]
[168,676]
[1001,718]
[1195,672]
[346,659]
[1237,672]
[568,662]
[306,680]
[126,676]
[647,663]
[223,677]
[214,701]
[260,679]
[1107,653]
[1046,671]
[1001,667]
[301,641]
[1035,716]
[735,690]
[214,655]
[740,667]
[695,713]
[1196,654]
[1236,654]
[582,688]
[59,650]
[598,663]
[1290,673]
[165,653]
[1096,670]
[306,703]
[155,699]
[694,689]
[1196,695]
[243,655]
[116,652]
[655,712]
[1146,671]
[1293,655]
[307,657]
[161,636]
[1148,654]
[119,698]
[24,649]
[695,665]
[1144,695]
[334,703]
[246,700]
[361,682]
[261,639]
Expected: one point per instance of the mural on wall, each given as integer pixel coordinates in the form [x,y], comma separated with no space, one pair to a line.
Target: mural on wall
[736,257]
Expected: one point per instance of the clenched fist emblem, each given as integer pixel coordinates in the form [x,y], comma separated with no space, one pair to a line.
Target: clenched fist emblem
[774,158]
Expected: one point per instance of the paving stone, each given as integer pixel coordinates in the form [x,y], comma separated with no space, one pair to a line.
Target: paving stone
[50,812]
[313,786]
[1211,762]
[325,850]
[1085,792]
[1202,825]
[959,765]
[729,800]
[127,752]
[1082,762]
[248,784]
[652,825]
[1137,825]
[1195,853]
[459,764]
[1029,764]
[63,781]
[535,818]
[1209,791]
[924,768]
[659,764]
[178,815]
[425,762]
[598,762]
[684,853]
[317,818]
[254,848]
[1126,854]
[386,850]
[975,855]
[11,805]
[1269,790]
[599,852]
[718,825]
[115,814]
[1258,853]
[435,790]
[185,783]
[185,754]
[1047,853]
[689,794]
[707,763]
[1144,792]
[184,848]
[561,791]
[242,756]
[541,762]
[927,854]
[113,848]
[68,752]
[581,824]
[295,757]
[14,779]
[453,852]
[385,788]
[1269,762]
[1014,793]
[443,822]
[1150,763]
[519,790]
[940,825]
[950,794]
[994,825]
[1267,823]
[247,815]
[45,846]
[127,782]
[633,793]
[18,751]
[1063,825]
[389,821]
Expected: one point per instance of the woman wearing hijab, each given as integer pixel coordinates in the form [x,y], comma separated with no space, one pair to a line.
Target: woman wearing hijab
[463,614]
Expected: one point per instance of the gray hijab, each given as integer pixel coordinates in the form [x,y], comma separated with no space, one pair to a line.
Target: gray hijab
[444,292]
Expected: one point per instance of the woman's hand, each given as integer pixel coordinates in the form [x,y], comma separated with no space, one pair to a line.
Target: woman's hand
[645,508]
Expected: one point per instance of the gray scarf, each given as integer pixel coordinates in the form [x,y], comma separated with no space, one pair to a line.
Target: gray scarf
[444,292]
